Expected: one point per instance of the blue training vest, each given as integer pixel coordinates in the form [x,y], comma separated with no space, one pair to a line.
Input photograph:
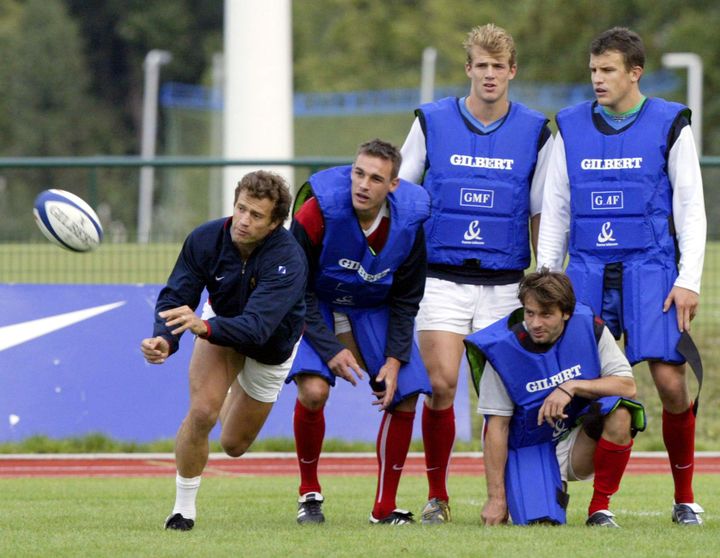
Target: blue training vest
[621,212]
[529,377]
[349,274]
[479,185]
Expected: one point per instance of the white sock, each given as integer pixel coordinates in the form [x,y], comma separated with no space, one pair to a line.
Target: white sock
[185,494]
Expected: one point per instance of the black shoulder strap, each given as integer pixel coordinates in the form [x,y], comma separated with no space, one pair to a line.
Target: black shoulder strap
[599,327]
[687,348]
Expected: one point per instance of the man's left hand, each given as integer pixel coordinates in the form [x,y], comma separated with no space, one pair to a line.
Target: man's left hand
[185,319]
[388,374]
[553,408]
[686,303]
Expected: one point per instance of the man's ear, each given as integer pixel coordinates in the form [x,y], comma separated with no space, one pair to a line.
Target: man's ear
[394,183]
[636,73]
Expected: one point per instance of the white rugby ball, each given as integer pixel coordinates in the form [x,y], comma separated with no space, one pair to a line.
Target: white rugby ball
[67,220]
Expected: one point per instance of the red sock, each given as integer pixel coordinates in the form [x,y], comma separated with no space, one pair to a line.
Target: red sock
[309,429]
[438,428]
[679,437]
[610,461]
[393,443]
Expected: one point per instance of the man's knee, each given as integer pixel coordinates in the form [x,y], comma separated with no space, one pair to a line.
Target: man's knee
[201,419]
[617,426]
[407,405]
[444,382]
[313,391]
[235,447]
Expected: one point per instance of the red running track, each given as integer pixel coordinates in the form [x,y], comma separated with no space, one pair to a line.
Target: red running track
[138,465]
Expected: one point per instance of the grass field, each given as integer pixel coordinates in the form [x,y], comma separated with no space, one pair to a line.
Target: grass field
[255,516]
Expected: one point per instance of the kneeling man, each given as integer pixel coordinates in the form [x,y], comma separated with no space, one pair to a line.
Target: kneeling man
[555,390]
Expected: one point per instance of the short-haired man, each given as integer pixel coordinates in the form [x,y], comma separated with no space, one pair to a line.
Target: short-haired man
[624,184]
[363,237]
[542,368]
[482,159]
[255,274]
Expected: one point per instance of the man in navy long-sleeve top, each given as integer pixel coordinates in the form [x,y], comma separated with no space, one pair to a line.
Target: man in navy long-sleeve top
[255,274]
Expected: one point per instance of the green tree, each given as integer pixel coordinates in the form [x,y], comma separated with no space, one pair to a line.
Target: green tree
[45,98]
[117,34]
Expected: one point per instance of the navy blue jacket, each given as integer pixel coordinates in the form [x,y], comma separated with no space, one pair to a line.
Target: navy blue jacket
[259,303]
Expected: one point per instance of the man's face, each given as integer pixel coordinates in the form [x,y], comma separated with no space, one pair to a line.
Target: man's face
[615,86]
[371,183]
[489,75]
[251,221]
[545,325]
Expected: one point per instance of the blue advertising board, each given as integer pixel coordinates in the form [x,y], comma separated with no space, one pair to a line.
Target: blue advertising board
[70,365]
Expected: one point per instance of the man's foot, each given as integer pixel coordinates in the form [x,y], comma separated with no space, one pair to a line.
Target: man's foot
[435,512]
[397,517]
[687,514]
[179,523]
[310,508]
[602,518]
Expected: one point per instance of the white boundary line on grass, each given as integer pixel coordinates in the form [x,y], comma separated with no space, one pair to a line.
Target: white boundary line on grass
[279,455]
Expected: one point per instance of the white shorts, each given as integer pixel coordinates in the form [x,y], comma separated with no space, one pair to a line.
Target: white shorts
[563,451]
[464,309]
[262,382]
[342,323]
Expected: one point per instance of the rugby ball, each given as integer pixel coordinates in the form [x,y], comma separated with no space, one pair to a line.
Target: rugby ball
[67,220]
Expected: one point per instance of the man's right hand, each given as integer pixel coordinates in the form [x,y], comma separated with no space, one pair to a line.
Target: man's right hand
[155,349]
[494,512]
[344,364]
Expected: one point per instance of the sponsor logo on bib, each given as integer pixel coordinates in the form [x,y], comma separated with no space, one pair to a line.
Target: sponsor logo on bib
[605,237]
[477,198]
[612,199]
[472,234]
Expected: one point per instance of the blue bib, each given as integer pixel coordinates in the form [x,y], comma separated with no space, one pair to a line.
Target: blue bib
[621,212]
[479,185]
[621,197]
[349,274]
[529,377]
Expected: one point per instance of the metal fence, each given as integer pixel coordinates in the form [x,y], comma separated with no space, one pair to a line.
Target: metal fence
[186,193]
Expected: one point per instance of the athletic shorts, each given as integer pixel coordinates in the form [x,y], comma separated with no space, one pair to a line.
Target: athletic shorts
[462,308]
[563,451]
[260,381]
[369,327]
[342,323]
[612,312]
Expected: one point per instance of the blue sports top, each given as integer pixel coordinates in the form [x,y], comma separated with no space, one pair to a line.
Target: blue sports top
[621,197]
[529,376]
[349,273]
[479,186]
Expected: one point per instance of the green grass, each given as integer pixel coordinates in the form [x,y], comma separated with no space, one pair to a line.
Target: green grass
[255,516]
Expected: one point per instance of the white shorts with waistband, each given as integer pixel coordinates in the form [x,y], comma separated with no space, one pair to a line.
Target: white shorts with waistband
[260,381]
[462,308]
[563,451]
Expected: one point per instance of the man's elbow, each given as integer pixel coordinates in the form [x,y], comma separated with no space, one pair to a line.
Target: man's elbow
[630,390]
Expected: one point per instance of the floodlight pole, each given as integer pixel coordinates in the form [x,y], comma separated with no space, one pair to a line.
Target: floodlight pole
[693,63]
[153,60]
[427,75]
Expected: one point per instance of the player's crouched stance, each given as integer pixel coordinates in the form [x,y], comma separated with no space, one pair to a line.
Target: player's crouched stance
[555,390]
[363,237]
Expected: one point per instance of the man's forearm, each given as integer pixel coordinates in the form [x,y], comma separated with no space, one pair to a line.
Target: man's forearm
[495,454]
